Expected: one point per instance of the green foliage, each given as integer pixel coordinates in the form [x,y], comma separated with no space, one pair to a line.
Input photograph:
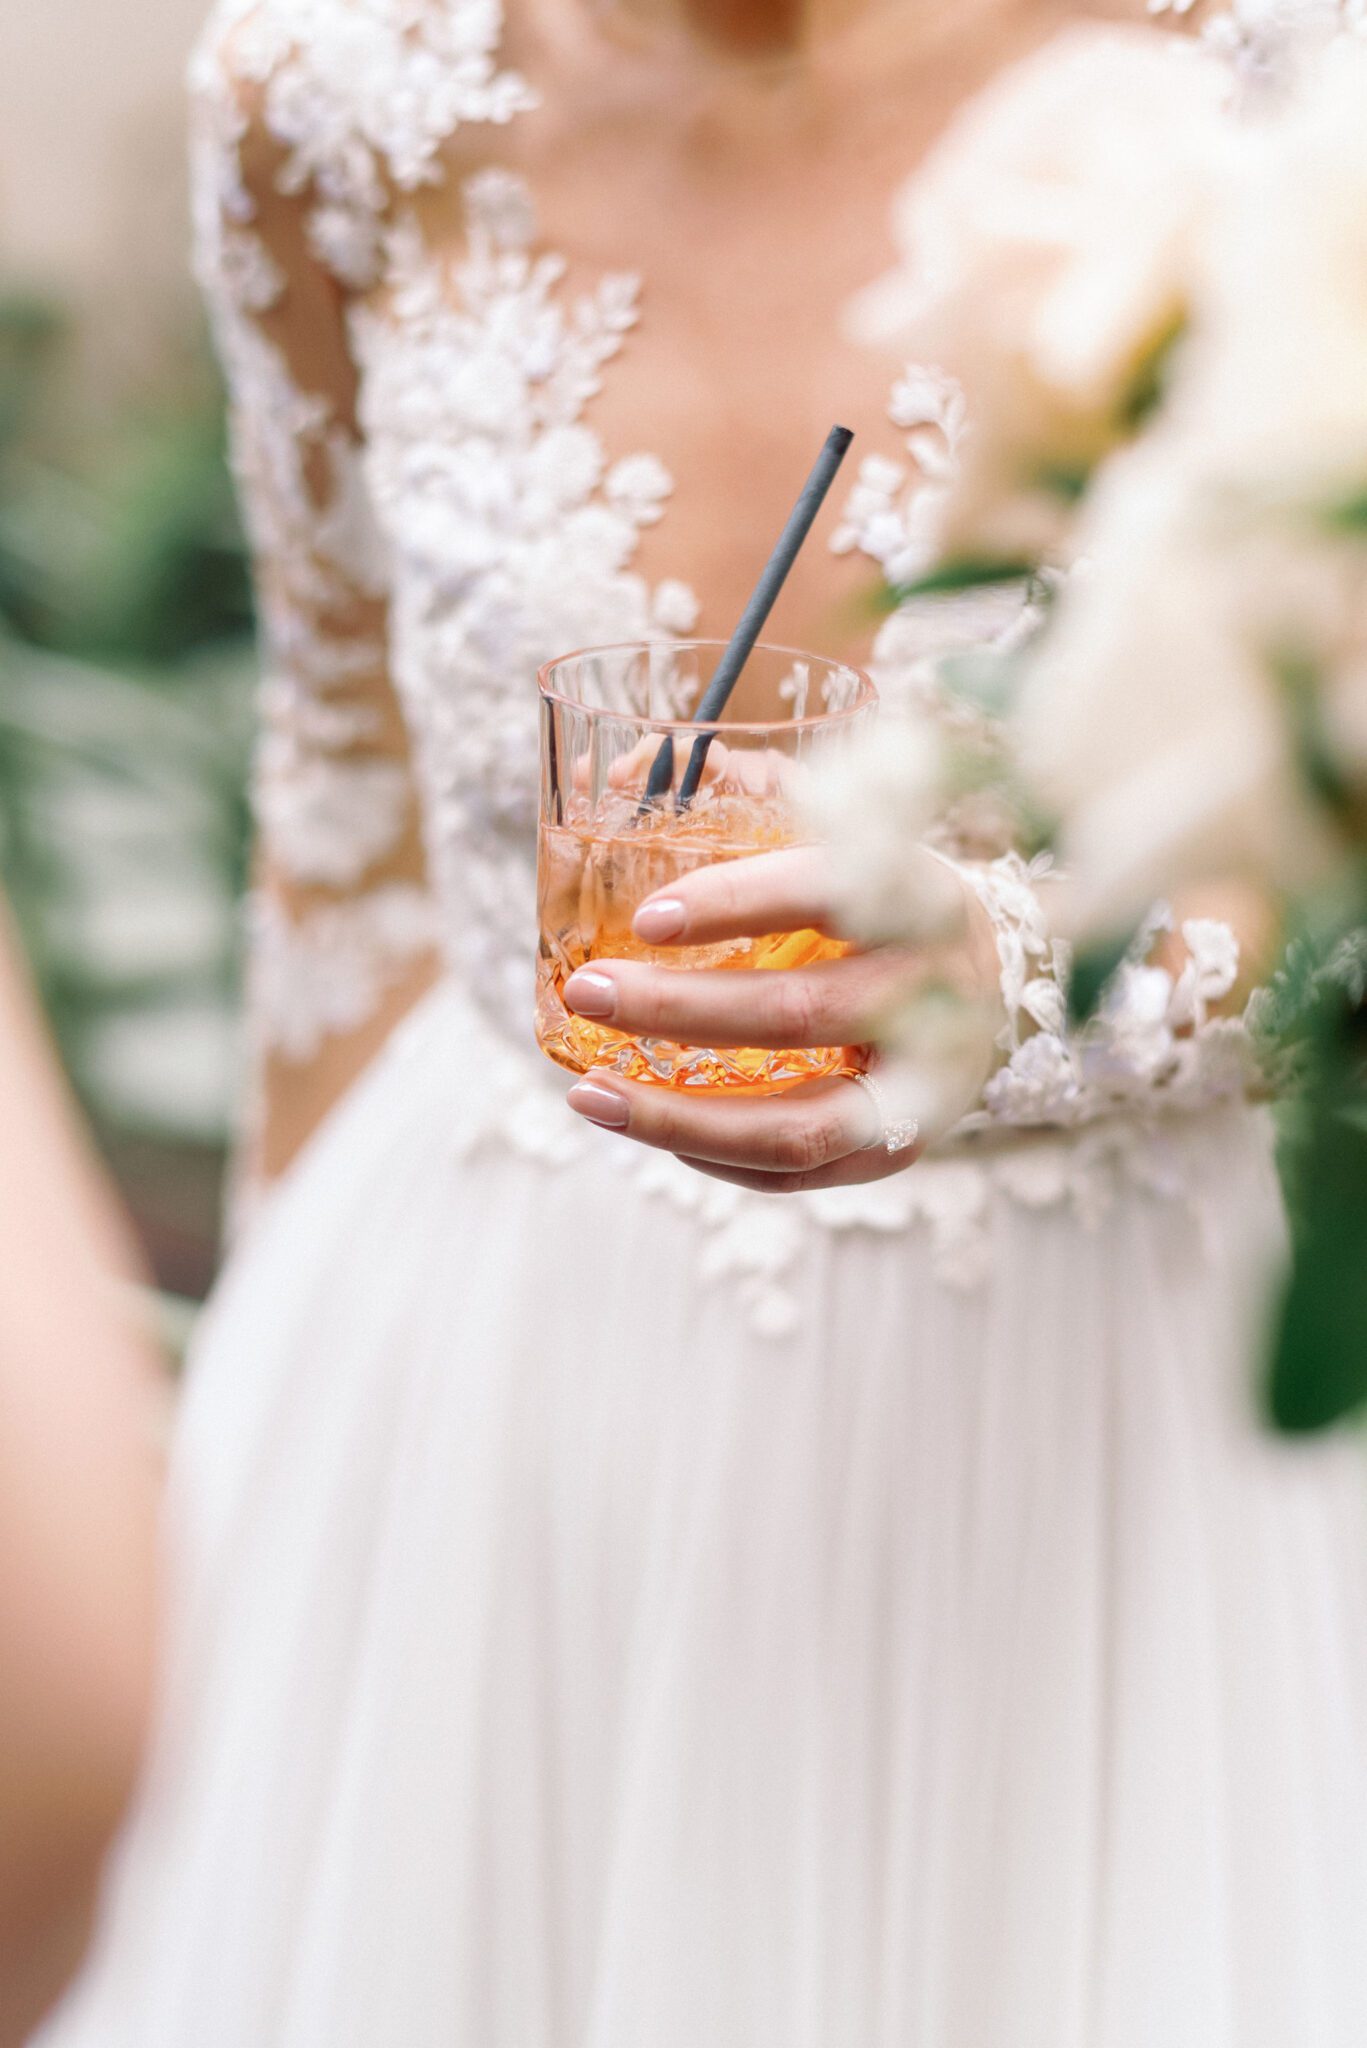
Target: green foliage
[1349,515]
[1310,1024]
[968,572]
[1092,969]
[1301,681]
[1069,481]
[126,548]
[1315,1017]
[1066,481]
[1318,1369]
[1149,385]
[984,679]
[125,711]
[30,329]
[168,573]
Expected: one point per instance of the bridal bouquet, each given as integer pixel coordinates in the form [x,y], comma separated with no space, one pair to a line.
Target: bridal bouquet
[1155,308]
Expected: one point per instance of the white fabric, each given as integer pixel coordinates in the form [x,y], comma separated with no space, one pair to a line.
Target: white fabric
[468,492]
[558,1664]
[611,1610]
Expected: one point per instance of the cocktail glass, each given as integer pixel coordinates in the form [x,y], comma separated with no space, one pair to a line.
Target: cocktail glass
[606,714]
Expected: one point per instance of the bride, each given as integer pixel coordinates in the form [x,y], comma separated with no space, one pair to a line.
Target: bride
[616,1608]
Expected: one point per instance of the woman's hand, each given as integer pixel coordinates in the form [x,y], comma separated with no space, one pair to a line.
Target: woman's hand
[817,1135]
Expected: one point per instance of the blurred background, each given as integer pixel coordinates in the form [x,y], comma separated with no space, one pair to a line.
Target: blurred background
[126,667]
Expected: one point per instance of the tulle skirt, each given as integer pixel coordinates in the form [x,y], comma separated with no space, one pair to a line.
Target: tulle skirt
[556,1660]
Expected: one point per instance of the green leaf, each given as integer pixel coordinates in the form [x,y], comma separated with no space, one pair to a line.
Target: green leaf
[1301,680]
[1318,1367]
[1349,515]
[1066,481]
[968,572]
[1150,383]
[31,329]
[1319,1364]
[985,682]
[1093,966]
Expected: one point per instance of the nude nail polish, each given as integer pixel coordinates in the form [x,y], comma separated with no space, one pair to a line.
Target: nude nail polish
[661,921]
[599,1105]
[591,995]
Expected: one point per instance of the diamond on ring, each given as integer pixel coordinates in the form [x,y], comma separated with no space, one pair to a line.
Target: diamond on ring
[898,1134]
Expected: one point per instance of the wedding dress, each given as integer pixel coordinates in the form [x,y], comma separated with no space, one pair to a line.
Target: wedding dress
[612,1610]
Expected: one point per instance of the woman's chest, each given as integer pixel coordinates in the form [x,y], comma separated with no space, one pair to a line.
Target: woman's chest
[602,358]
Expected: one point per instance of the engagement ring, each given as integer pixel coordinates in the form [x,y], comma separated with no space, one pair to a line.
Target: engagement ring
[896,1134]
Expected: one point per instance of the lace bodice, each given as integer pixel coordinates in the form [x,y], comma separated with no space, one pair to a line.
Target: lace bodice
[428,541]
[510,536]
[465,493]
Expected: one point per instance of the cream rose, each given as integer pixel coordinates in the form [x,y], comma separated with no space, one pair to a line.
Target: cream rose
[1046,251]
[1155,726]
[1222,615]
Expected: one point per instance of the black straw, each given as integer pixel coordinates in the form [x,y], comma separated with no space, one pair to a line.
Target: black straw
[751,625]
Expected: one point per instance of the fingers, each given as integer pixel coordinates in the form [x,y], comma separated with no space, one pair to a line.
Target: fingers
[799,1130]
[631,771]
[784,891]
[750,771]
[821,1135]
[834,1002]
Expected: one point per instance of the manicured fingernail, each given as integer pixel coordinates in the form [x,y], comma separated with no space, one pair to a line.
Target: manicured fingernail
[590,994]
[599,1104]
[660,921]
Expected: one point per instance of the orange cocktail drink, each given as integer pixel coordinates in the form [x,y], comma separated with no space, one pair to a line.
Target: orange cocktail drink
[604,848]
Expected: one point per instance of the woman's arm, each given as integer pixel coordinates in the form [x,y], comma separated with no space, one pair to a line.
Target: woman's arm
[341,926]
[79,1481]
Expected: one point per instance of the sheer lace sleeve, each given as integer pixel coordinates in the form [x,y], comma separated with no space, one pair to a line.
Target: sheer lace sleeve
[341,925]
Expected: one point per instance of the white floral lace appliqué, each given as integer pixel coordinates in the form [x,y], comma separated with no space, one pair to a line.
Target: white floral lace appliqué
[481,510]
[512,536]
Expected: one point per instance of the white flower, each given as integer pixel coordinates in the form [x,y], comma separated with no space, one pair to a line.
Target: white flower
[499,203]
[346,241]
[639,485]
[1153,723]
[251,276]
[1214,951]
[675,608]
[938,1051]
[1130,1044]
[1274,382]
[1045,256]
[871,505]
[1139,999]
[873,802]
[932,406]
[1039,1080]
[1042,1001]
[893,512]
[1264,39]
[565,464]
[324,818]
[1159,722]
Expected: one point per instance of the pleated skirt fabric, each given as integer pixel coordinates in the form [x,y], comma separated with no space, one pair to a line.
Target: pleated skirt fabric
[555,1662]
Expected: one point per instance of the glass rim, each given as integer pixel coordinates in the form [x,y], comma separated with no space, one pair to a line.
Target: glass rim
[866,699]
